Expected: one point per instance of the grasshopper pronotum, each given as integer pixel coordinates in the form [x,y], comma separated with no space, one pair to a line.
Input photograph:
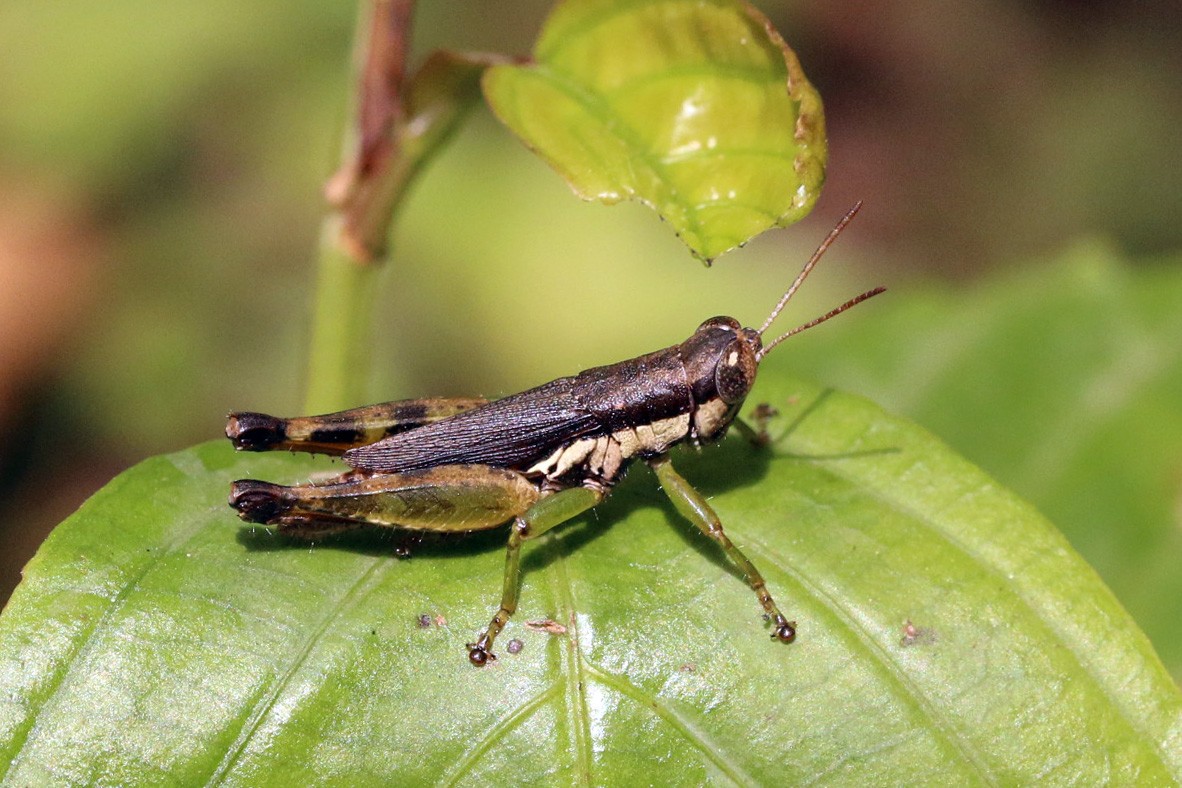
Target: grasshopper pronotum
[538,458]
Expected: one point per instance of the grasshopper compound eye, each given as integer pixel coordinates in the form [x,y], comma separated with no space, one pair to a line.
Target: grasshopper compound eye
[735,373]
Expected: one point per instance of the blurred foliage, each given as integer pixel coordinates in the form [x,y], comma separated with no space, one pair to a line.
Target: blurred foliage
[177,152]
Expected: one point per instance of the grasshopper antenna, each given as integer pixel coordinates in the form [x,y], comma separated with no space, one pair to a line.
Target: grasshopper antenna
[804,272]
[819,320]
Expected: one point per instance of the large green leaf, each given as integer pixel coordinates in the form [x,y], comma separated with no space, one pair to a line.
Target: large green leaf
[698,109]
[1063,379]
[947,634]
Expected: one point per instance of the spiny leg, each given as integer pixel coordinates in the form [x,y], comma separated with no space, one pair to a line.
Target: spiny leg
[547,513]
[693,506]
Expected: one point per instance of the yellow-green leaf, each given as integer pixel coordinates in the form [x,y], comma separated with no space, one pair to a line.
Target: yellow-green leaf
[698,109]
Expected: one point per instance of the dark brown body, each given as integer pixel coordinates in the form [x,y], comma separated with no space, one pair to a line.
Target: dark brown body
[635,408]
[641,406]
[539,457]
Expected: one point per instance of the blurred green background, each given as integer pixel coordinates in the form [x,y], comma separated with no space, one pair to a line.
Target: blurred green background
[160,175]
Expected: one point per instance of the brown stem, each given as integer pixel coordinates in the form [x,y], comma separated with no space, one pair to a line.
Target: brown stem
[363,194]
[370,180]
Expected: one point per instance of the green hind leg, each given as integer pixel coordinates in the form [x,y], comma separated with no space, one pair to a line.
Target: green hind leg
[551,511]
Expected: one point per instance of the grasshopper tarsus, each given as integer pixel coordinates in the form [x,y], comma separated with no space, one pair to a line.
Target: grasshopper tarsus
[478,653]
[785,630]
[756,432]
[762,415]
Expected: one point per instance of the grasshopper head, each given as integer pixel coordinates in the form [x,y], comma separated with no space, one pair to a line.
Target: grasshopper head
[721,359]
[735,359]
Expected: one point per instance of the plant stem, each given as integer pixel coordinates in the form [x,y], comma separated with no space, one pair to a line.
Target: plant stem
[363,193]
[339,355]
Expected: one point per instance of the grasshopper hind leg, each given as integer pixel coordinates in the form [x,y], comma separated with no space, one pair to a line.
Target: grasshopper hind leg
[256,501]
[255,431]
[548,512]
[447,498]
[336,433]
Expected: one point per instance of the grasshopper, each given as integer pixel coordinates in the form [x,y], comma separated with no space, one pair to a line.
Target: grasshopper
[536,459]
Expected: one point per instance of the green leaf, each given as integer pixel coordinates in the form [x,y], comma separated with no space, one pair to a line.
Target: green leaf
[945,630]
[1062,378]
[698,109]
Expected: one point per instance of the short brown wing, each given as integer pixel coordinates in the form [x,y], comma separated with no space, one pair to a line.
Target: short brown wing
[514,432]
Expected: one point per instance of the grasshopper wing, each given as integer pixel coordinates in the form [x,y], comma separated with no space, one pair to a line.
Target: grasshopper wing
[513,432]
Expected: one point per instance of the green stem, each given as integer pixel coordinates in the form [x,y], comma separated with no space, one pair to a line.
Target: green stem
[339,358]
[364,193]
[399,125]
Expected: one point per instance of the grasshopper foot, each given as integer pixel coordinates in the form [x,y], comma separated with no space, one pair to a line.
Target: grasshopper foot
[785,630]
[762,415]
[257,502]
[254,431]
[478,652]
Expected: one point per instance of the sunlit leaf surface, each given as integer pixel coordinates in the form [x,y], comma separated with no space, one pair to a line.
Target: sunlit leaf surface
[698,109]
[1063,379]
[945,630]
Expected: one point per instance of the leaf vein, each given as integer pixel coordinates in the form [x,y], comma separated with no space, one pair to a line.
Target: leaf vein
[356,591]
[679,723]
[576,679]
[638,150]
[85,643]
[732,71]
[941,724]
[505,725]
[1071,647]
[591,22]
